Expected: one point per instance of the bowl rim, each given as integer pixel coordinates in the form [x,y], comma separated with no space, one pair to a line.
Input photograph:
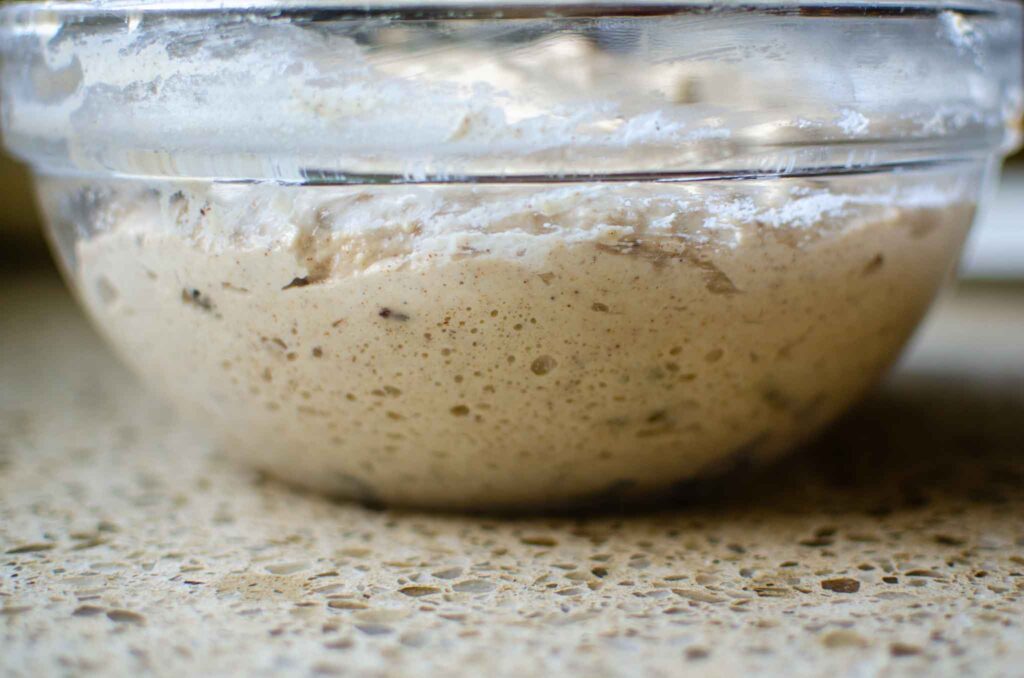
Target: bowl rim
[26,11]
[31,25]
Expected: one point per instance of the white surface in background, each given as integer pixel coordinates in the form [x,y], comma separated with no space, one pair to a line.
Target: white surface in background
[995,248]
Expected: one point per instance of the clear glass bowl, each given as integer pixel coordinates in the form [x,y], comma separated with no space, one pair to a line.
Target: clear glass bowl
[510,255]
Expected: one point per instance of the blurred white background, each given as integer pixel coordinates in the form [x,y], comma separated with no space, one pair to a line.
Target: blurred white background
[995,249]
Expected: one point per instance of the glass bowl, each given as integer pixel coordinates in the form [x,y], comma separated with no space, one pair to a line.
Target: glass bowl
[509,255]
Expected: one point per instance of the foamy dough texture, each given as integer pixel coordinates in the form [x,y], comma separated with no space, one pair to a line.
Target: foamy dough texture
[275,99]
[455,346]
[311,88]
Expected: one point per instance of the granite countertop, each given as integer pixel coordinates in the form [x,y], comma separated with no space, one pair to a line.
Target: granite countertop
[895,545]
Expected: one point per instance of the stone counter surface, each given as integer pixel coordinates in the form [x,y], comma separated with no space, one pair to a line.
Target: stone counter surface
[893,546]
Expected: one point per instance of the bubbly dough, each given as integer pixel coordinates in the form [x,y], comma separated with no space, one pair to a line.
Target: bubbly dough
[746,246]
[503,346]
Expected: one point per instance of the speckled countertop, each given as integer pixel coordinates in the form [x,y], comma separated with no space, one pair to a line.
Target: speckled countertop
[894,546]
